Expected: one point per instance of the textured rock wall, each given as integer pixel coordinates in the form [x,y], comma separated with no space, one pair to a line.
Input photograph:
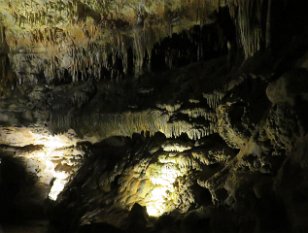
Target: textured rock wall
[237,178]
[78,39]
[214,143]
[84,38]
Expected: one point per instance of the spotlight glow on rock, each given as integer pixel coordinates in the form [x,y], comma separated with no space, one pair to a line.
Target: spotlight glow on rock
[55,147]
[48,151]
[60,180]
[160,199]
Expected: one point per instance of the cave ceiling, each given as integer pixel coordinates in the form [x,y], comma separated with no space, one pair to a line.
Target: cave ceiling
[76,35]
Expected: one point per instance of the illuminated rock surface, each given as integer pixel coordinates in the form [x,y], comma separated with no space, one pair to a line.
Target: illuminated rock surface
[153,116]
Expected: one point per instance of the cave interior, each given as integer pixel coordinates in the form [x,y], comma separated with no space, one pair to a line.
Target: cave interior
[162,116]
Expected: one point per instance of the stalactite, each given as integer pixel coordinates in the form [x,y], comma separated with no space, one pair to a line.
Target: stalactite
[149,121]
[114,42]
[268,23]
[1,37]
[213,99]
[249,25]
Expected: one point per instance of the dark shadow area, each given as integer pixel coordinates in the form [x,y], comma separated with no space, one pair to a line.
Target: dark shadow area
[19,197]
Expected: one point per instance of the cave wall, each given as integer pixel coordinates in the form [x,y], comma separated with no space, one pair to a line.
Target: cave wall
[165,116]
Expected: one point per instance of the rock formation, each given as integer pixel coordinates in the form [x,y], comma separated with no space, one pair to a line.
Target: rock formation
[153,116]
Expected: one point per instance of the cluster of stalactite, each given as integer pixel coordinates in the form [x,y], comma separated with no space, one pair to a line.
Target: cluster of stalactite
[96,50]
[91,48]
[252,20]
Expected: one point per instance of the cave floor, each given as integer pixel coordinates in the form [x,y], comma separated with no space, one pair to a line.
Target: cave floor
[27,227]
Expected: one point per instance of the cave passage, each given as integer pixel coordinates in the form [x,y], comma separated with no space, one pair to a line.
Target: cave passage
[153,116]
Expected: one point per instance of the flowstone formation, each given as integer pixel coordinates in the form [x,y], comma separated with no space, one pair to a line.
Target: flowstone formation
[153,116]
